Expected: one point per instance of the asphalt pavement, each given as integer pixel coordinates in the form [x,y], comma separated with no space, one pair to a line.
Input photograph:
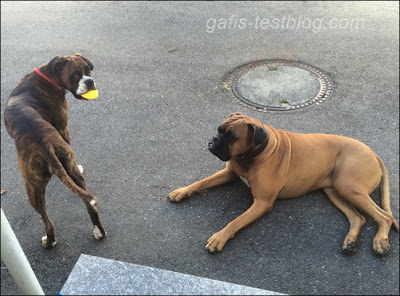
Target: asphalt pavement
[159,67]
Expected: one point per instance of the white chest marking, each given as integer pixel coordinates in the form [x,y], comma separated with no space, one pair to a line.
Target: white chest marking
[245,181]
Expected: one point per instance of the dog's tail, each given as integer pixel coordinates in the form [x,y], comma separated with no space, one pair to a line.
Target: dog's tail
[63,175]
[385,193]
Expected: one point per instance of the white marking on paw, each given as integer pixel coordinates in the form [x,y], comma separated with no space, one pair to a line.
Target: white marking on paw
[97,233]
[80,168]
[92,202]
[44,241]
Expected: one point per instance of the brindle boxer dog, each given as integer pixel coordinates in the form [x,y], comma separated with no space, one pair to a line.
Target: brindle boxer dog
[36,116]
[281,164]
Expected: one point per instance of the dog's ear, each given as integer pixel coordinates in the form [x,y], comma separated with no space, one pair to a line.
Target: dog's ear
[55,65]
[91,67]
[257,135]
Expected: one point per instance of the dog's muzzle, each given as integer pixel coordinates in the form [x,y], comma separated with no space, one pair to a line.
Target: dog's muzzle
[85,84]
[219,147]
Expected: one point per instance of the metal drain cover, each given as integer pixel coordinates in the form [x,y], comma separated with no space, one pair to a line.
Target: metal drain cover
[278,85]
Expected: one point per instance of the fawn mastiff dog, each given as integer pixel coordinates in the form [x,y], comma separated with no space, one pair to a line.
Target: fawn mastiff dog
[281,164]
[36,117]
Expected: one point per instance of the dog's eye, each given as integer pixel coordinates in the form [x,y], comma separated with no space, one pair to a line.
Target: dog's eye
[76,76]
[230,137]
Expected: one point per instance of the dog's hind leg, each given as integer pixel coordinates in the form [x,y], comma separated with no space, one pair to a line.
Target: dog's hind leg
[354,193]
[356,220]
[365,203]
[98,232]
[355,178]
[65,167]
[75,173]
[36,192]
[36,176]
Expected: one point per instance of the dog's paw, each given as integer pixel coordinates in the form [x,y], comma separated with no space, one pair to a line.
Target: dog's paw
[381,246]
[46,244]
[350,248]
[178,194]
[98,234]
[80,168]
[217,242]
[349,245]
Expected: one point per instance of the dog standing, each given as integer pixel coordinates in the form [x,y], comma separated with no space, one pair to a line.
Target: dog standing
[281,164]
[36,117]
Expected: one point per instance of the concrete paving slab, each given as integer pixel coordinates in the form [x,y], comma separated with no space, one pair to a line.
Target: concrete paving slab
[93,275]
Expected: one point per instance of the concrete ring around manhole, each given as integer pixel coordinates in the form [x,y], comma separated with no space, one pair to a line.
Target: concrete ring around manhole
[278,85]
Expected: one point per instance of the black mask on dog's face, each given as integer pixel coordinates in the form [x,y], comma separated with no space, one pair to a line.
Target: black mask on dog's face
[219,145]
[72,73]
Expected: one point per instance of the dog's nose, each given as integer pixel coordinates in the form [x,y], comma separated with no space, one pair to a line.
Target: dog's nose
[89,82]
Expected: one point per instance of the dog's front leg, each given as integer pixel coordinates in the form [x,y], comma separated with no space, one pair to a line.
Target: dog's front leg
[218,240]
[219,178]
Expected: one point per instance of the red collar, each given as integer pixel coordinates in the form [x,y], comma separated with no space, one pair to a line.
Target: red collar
[48,79]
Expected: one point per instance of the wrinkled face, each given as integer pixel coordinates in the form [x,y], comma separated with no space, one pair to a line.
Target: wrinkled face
[73,73]
[238,136]
[219,144]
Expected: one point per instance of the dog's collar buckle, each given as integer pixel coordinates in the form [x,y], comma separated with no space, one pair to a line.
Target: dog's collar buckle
[48,80]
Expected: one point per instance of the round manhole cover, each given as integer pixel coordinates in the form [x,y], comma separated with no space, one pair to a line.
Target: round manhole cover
[278,85]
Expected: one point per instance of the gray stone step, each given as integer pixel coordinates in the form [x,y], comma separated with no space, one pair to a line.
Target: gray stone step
[99,276]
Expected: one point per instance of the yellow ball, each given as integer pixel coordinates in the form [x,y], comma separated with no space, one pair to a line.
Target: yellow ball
[91,94]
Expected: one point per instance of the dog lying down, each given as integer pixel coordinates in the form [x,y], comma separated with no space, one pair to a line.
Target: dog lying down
[279,164]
